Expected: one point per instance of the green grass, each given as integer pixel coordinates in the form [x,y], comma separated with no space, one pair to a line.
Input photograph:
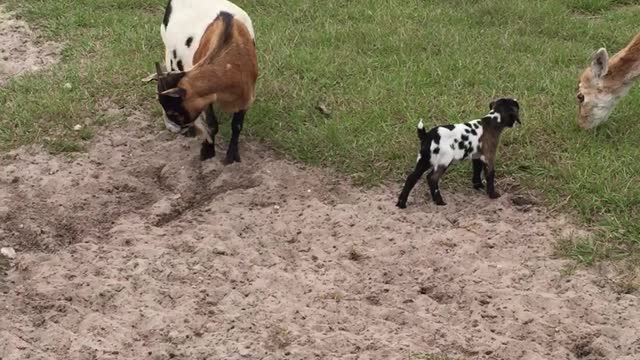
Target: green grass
[378,66]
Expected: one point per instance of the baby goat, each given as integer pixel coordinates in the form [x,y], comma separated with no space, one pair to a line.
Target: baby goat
[477,139]
[225,74]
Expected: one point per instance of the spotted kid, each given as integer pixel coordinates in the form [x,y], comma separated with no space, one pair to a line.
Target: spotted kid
[476,140]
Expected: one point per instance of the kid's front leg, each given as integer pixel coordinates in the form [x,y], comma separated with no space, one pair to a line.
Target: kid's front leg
[490,175]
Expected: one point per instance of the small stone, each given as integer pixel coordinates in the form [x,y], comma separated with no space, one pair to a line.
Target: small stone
[8,252]
[68,86]
[77,127]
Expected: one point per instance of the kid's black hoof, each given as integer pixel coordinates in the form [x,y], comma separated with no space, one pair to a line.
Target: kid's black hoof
[207,151]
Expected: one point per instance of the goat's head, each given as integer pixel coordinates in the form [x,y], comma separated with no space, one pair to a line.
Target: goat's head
[509,111]
[172,99]
[598,92]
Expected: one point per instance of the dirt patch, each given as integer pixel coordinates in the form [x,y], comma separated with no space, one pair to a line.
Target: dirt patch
[20,50]
[136,250]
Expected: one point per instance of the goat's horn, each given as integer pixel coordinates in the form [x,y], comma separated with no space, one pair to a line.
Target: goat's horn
[160,75]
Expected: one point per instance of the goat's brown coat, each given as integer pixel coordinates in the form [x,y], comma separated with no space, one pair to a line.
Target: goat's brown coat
[222,75]
[489,139]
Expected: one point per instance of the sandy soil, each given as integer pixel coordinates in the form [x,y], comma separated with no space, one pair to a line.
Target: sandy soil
[20,50]
[136,250]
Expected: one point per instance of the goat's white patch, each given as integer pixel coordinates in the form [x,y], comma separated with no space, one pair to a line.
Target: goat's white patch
[449,150]
[190,18]
[419,157]
[420,125]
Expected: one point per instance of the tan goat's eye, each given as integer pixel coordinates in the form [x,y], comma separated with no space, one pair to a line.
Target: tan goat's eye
[580,97]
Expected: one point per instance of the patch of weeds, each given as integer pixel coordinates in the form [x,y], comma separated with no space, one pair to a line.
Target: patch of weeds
[569,270]
[59,146]
[86,134]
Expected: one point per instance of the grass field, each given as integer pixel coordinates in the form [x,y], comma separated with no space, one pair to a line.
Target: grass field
[378,65]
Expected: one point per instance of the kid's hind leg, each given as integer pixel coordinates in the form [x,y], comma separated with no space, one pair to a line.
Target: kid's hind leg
[477,174]
[421,167]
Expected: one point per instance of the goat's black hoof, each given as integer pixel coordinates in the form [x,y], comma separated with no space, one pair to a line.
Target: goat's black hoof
[232,157]
[228,160]
[207,151]
[494,195]
[478,186]
[440,202]
[401,204]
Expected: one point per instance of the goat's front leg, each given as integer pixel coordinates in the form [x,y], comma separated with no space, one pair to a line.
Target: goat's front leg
[490,175]
[477,174]
[208,149]
[233,154]
[434,179]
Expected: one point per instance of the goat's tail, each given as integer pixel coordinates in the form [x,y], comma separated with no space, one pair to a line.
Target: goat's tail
[422,133]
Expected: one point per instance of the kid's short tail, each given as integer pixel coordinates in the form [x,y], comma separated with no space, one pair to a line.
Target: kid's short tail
[422,133]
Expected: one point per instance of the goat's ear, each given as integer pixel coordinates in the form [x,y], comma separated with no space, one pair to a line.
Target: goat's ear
[175,93]
[600,63]
[491,105]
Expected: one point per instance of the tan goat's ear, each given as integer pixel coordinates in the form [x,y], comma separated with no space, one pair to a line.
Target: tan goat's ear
[600,63]
[175,92]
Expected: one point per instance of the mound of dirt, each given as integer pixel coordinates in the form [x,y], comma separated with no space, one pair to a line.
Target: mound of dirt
[136,250]
[20,51]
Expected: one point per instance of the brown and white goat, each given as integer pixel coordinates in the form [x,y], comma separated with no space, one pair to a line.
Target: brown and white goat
[605,82]
[224,74]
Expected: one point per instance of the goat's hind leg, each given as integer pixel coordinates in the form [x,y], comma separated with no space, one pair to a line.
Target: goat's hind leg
[208,149]
[233,153]
[421,167]
[477,174]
